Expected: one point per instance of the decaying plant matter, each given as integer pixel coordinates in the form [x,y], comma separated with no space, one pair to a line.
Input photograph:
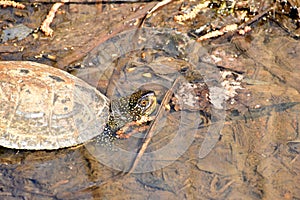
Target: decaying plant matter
[237,16]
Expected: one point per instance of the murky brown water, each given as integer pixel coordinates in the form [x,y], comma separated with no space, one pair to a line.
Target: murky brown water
[255,155]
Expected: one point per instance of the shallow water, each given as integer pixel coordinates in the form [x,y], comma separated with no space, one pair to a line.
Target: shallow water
[253,151]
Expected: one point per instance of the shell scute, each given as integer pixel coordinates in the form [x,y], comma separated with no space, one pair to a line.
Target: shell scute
[42,107]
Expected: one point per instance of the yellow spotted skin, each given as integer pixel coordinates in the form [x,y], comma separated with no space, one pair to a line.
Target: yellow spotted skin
[131,108]
[127,109]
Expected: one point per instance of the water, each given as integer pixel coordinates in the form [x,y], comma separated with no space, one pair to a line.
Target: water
[254,154]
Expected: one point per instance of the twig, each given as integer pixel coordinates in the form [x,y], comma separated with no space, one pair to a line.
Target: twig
[193,13]
[242,29]
[45,27]
[232,27]
[158,5]
[256,17]
[103,36]
[150,132]
[12,4]
[152,10]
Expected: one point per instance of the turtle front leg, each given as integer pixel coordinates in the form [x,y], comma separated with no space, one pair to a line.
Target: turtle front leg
[122,132]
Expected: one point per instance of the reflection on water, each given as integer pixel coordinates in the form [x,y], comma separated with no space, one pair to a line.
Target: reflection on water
[256,156]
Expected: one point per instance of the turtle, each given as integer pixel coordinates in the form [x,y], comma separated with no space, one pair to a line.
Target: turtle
[44,108]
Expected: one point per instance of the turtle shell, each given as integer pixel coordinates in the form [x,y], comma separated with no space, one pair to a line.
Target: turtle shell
[42,107]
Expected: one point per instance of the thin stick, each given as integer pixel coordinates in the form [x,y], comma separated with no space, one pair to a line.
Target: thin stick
[150,132]
[45,27]
[158,5]
[103,36]
[12,4]
[153,9]
[256,17]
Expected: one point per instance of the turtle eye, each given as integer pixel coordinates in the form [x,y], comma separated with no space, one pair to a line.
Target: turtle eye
[143,102]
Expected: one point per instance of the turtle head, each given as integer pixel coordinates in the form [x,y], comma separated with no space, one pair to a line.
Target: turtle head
[131,108]
[142,103]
